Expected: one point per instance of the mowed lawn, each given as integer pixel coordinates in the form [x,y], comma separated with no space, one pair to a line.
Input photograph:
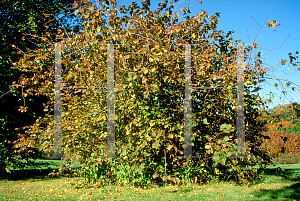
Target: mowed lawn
[279,184]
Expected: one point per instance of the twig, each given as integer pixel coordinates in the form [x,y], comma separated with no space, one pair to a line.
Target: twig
[23,96]
[5,93]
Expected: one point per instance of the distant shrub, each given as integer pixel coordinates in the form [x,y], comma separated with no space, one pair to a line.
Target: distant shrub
[279,140]
[291,158]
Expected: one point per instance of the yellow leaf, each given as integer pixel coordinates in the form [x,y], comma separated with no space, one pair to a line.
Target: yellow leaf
[153,59]
[288,68]
[169,147]
[272,23]
[194,35]
[143,51]
[217,171]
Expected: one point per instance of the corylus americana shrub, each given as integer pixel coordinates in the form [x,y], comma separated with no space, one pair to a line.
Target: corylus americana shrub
[149,94]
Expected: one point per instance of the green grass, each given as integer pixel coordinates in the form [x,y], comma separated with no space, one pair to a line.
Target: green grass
[278,184]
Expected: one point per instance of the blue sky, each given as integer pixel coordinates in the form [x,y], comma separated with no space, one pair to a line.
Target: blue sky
[245,18]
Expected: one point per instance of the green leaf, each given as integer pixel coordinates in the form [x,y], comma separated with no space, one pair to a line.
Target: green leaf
[216,158]
[155,144]
[226,138]
[226,128]
[205,121]
[207,146]
[223,126]
[229,154]
[208,151]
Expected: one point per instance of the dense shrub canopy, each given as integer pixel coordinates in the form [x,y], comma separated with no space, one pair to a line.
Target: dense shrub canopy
[149,94]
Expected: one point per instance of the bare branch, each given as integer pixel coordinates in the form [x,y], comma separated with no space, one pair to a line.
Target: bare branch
[6,92]
[23,96]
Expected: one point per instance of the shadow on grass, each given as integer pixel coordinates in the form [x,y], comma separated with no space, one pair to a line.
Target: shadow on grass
[41,170]
[289,173]
[289,192]
[27,174]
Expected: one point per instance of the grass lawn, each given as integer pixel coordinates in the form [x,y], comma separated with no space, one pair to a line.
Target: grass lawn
[278,184]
